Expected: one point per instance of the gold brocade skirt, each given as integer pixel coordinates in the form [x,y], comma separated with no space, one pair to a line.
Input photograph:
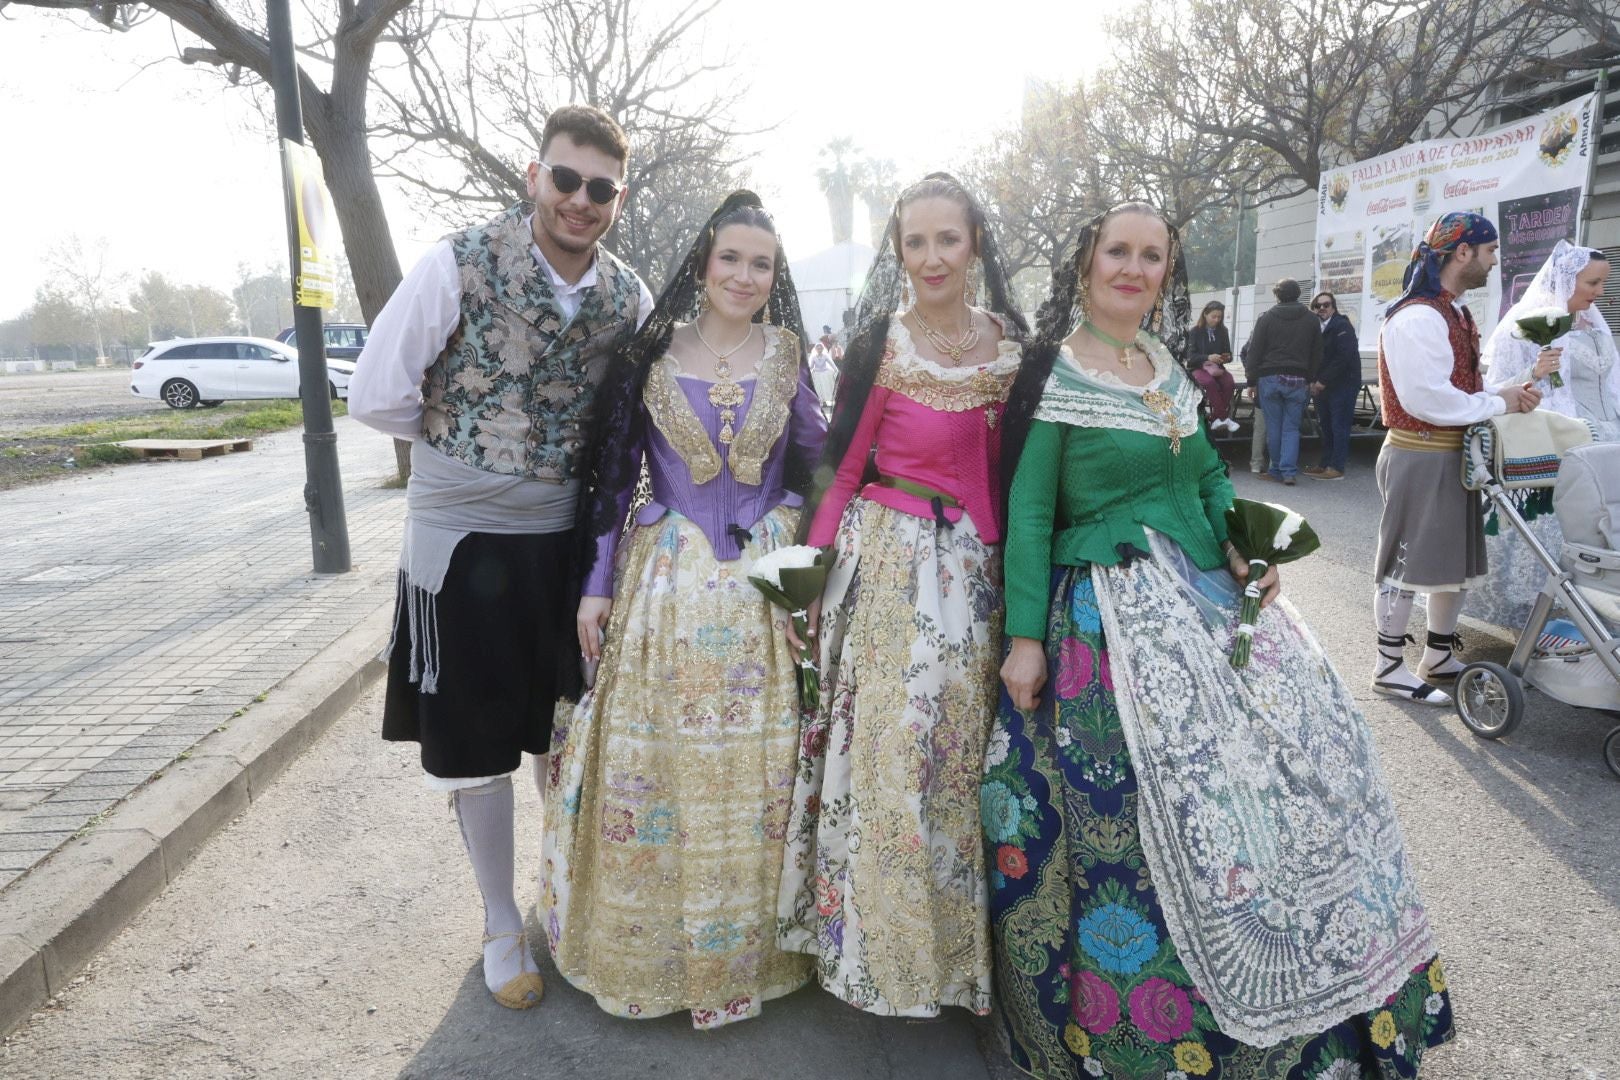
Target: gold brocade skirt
[667,800]
[885,877]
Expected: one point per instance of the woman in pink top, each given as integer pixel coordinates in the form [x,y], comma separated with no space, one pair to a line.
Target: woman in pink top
[884,880]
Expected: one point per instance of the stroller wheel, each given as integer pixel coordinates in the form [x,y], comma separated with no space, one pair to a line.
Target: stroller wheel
[1489,699]
[1611,750]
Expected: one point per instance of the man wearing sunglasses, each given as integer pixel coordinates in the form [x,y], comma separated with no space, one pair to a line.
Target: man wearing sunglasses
[487,357]
[1337,385]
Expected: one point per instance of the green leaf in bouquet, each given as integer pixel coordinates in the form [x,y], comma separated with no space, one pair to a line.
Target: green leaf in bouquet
[802,584]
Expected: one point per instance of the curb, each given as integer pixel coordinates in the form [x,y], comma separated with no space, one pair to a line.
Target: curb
[55,920]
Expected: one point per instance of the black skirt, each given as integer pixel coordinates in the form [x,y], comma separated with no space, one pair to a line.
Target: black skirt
[507,650]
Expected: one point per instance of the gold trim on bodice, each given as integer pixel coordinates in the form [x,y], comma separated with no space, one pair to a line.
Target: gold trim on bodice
[775,384]
[945,389]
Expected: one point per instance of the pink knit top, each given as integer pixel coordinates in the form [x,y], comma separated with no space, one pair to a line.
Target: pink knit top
[936,426]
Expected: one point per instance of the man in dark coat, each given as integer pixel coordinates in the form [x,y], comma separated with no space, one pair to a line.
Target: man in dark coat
[1337,385]
[1285,351]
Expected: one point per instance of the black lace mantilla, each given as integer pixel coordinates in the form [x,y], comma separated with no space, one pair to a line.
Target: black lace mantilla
[1061,315]
[880,297]
[613,465]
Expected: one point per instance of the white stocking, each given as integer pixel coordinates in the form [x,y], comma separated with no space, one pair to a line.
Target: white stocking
[486,816]
[1438,659]
[1392,611]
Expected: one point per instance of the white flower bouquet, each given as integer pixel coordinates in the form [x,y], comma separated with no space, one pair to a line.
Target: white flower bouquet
[1542,327]
[1267,535]
[792,578]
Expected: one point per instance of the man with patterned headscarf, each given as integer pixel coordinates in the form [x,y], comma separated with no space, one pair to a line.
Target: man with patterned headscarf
[1431,537]
[488,357]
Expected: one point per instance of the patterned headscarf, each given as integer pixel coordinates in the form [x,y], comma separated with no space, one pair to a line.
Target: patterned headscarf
[1448,232]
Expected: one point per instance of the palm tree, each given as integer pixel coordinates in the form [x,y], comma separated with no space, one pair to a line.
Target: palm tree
[838,184]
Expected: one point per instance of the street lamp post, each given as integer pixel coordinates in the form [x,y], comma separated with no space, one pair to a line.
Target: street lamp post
[323,486]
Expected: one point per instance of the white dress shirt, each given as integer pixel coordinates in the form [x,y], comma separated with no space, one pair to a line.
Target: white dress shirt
[1417,352]
[413,328]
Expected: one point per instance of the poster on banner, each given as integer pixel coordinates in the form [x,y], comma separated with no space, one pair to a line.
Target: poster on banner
[1528,177]
[316,283]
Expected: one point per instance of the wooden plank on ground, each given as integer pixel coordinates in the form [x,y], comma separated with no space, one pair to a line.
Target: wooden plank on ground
[186,449]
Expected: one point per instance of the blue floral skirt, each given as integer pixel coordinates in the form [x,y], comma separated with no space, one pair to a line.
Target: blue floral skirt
[1087,980]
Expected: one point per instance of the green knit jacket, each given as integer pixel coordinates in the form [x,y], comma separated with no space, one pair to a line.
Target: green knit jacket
[1080,492]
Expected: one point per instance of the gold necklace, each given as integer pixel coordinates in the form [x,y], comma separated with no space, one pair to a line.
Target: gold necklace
[697,327]
[725,393]
[945,345]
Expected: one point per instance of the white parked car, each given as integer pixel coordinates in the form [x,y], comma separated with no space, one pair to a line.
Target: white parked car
[187,372]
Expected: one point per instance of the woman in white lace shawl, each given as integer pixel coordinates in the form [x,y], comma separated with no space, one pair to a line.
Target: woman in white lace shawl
[1571,280]
[1585,361]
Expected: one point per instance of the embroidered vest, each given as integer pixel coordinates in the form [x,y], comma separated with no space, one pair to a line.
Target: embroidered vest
[513,390]
[1465,374]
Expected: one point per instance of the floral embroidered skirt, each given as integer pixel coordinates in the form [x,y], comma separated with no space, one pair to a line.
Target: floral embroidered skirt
[884,883]
[1088,981]
[667,800]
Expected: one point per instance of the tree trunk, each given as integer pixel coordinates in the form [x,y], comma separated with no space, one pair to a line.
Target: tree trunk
[346,159]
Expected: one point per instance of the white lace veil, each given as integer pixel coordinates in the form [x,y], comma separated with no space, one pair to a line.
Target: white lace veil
[1508,359]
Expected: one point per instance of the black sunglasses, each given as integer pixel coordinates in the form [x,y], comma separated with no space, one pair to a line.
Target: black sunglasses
[1326,305]
[600,189]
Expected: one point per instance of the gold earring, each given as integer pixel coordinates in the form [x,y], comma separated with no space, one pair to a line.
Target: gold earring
[765,316]
[970,284]
[905,290]
[1085,299]
[703,298]
[1158,314]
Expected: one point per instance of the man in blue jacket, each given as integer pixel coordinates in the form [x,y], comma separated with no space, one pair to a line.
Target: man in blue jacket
[1337,385]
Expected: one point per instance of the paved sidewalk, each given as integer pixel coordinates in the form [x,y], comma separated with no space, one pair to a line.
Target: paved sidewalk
[143,607]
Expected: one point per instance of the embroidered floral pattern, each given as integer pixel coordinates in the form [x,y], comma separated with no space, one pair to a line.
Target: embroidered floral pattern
[943,388]
[513,389]
[671,775]
[768,403]
[1091,983]
[885,876]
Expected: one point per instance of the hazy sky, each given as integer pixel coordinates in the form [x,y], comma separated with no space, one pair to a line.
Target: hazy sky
[178,172]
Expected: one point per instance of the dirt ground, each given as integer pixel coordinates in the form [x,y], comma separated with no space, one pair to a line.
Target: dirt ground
[29,403]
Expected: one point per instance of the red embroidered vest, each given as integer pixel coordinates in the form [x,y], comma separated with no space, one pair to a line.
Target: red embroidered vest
[1465,374]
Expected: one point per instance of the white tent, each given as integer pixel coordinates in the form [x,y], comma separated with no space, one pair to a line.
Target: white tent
[829,282]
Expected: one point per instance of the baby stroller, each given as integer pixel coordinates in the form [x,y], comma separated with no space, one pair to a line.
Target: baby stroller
[1540,450]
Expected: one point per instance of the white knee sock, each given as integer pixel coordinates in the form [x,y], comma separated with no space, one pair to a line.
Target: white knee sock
[1438,658]
[486,814]
[1392,611]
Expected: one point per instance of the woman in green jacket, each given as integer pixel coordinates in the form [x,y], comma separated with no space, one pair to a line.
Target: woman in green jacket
[1196,870]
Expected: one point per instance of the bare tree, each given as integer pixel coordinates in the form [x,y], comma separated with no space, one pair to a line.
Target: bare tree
[235,42]
[464,111]
[1596,22]
[1039,183]
[82,269]
[1312,83]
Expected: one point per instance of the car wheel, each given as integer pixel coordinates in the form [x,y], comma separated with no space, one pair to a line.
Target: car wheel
[179,394]
[332,386]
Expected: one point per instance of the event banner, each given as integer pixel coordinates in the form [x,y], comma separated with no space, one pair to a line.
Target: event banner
[1527,177]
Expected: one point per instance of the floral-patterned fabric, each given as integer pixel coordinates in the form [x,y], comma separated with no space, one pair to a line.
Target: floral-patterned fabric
[1089,981]
[513,391]
[667,799]
[884,882]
